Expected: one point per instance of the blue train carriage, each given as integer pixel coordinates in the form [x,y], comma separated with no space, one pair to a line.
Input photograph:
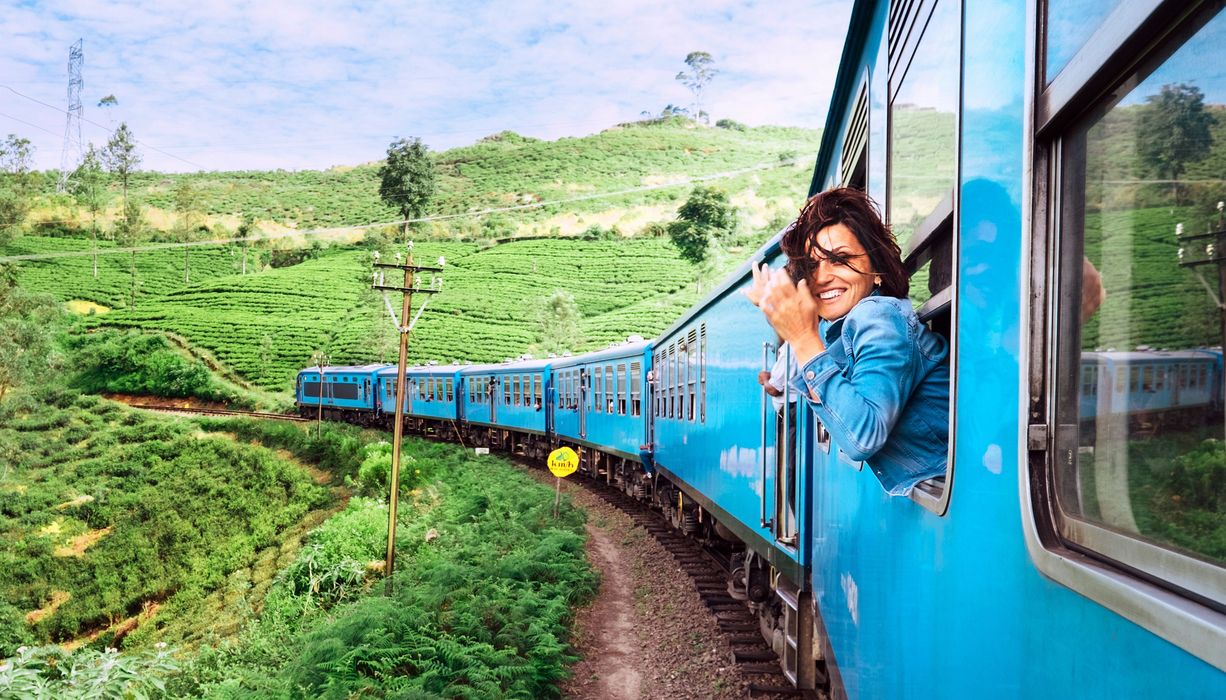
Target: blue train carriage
[506,406]
[431,406]
[346,393]
[599,408]
[725,471]
[1034,567]
[1147,389]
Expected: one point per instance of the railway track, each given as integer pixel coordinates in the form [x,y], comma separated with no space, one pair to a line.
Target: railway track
[707,569]
[192,411]
[709,572]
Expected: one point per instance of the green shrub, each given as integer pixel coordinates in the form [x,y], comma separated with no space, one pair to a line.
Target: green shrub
[1198,478]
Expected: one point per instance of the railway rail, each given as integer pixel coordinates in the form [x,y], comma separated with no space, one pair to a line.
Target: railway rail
[709,570]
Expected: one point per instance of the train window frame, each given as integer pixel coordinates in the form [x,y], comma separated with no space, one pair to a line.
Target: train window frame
[702,372]
[1148,584]
[938,234]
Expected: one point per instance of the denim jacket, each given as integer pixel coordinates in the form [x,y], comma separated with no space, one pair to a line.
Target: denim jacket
[882,391]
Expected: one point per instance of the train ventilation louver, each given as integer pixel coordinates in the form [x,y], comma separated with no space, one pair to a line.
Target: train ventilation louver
[856,140]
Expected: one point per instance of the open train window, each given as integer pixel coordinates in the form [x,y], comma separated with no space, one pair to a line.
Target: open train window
[1127,150]
[636,382]
[925,58]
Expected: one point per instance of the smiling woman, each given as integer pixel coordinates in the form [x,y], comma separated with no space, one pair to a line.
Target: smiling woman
[876,377]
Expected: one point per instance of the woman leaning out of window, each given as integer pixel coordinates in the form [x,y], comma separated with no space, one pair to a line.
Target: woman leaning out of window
[876,377]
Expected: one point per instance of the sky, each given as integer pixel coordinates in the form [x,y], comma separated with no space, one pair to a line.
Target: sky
[235,85]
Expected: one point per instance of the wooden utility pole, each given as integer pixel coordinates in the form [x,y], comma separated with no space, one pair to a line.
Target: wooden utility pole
[403,326]
[319,421]
[1213,252]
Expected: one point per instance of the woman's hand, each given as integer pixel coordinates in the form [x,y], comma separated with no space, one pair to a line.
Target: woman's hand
[789,308]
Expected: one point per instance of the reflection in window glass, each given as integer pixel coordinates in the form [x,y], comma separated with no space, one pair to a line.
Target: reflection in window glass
[1140,304]
[923,125]
[1069,24]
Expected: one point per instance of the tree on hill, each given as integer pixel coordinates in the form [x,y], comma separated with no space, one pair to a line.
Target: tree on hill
[187,205]
[558,318]
[407,179]
[697,78]
[1173,129]
[705,216]
[129,232]
[88,186]
[119,156]
[16,183]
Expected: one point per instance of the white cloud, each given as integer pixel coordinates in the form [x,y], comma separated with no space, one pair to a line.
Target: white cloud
[229,85]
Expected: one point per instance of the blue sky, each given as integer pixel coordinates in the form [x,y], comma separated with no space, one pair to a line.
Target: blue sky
[221,85]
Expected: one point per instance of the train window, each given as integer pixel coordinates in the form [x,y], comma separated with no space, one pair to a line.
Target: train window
[506,391]
[691,376]
[609,389]
[924,93]
[598,392]
[673,398]
[536,391]
[1133,173]
[451,390]
[621,389]
[636,388]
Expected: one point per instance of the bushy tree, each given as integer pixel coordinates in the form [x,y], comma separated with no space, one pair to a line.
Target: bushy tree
[26,321]
[16,183]
[706,215]
[1173,129]
[407,179]
[558,318]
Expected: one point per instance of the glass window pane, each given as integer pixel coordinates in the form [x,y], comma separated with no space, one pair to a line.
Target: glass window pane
[1069,24]
[923,125]
[1142,179]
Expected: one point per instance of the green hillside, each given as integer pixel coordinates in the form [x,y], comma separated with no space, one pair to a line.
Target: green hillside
[501,170]
[304,293]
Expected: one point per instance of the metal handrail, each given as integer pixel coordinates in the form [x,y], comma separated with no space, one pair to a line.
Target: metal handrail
[762,520]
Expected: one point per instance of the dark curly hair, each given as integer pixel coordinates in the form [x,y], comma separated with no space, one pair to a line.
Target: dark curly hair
[857,211]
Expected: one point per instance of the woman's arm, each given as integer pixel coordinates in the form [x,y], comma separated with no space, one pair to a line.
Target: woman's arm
[789,308]
[862,408]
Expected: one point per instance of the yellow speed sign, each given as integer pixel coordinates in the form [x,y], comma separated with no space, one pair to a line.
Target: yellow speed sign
[563,462]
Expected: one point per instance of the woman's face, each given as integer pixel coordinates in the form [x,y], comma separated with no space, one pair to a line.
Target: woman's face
[840,284]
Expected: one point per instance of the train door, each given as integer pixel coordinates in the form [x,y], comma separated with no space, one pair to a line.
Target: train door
[493,399]
[781,437]
[583,377]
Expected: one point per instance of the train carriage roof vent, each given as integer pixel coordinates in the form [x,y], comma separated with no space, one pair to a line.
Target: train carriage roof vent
[634,338]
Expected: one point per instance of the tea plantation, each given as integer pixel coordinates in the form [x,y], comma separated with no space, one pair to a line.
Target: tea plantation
[266,326]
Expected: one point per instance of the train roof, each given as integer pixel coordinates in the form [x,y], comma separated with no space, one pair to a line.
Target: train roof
[621,350]
[350,369]
[424,369]
[514,366]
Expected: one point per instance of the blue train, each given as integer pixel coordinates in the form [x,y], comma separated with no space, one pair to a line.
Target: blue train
[1056,556]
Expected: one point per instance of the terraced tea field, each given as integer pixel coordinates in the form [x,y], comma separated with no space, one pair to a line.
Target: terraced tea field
[157,272]
[266,326]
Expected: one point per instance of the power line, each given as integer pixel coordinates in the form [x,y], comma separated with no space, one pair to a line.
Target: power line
[105,128]
[338,230]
